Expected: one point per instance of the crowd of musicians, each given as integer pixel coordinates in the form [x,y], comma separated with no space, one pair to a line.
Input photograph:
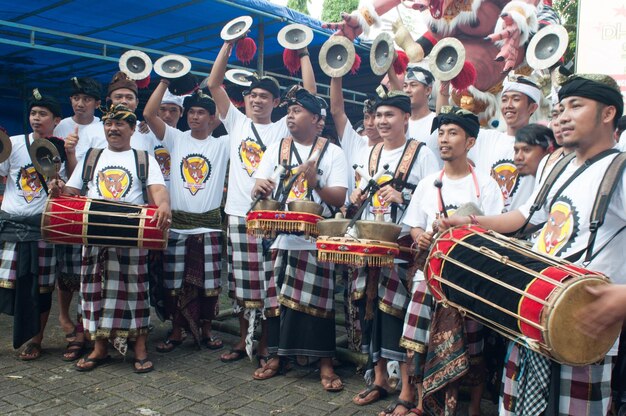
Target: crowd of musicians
[427,164]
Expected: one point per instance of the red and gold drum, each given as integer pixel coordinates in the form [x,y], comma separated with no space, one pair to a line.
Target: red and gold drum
[528,297]
[92,222]
[271,223]
[356,252]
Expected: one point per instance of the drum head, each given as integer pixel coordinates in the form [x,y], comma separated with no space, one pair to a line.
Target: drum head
[569,345]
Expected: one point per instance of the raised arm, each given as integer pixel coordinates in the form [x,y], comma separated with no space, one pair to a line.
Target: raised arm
[337,106]
[308,75]
[216,79]
[151,111]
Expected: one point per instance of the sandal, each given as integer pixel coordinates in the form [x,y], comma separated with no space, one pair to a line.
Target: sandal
[264,358]
[269,371]
[389,410]
[143,369]
[417,412]
[233,355]
[74,350]
[212,343]
[70,335]
[382,394]
[168,345]
[92,363]
[31,352]
[328,380]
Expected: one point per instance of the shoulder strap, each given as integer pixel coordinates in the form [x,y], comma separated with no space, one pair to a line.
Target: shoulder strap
[256,134]
[141,163]
[411,150]
[284,155]
[374,159]
[91,159]
[321,144]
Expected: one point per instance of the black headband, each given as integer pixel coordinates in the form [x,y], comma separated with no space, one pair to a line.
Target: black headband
[87,86]
[597,87]
[199,99]
[462,118]
[299,96]
[46,101]
[396,99]
[266,83]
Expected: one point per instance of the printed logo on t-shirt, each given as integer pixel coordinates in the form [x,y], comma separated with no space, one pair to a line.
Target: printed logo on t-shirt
[114,182]
[379,206]
[28,184]
[195,170]
[506,174]
[299,188]
[561,229]
[250,154]
[162,157]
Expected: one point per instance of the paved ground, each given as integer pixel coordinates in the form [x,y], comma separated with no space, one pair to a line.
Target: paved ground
[186,382]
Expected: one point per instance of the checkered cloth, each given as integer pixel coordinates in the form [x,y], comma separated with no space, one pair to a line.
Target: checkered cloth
[245,265]
[47,265]
[305,285]
[392,290]
[416,331]
[174,261]
[69,261]
[272,307]
[114,291]
[584,390]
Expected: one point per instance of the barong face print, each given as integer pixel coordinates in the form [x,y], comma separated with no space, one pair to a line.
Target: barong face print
[561,229]
[114,182]
[28,184]
[250,154]
[162,157]
[299,189]
[195,170]
[506,174]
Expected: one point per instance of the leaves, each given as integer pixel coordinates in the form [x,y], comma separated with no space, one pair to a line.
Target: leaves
[332,9]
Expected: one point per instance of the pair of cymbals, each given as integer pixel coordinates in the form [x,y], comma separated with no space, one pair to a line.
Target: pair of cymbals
[137,65]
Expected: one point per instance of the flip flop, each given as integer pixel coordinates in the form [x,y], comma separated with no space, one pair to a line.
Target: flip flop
[239,355]
[97,362]
[327,383]
[389,410]
[142,362]
[382,393]
[168,345]
[74,349]
[267,371]
[212,343]
[31,352]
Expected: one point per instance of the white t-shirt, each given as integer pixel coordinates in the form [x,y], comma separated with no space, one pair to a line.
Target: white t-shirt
[566,228]
[424,210]
[332,171]
[115,177]
[92,136]
[24,193]
[353,145]
[424,164]
[493,155]
[622,142]
[420,130]
[198,172]
[67,125]
[245,155]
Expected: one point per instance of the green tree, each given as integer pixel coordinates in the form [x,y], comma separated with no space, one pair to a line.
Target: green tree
[332,9]
[568,10]
[298,5]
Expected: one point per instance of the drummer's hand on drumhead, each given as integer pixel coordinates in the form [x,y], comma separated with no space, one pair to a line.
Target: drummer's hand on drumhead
[608,308]
[357,197]
[262,187]
[71,141]
[453,221]
[55,187]
[425,240]
[163,217]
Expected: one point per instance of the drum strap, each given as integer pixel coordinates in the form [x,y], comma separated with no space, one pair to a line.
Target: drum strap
[141,163]
[91,159]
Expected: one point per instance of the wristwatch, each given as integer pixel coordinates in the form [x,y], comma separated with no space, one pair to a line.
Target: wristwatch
[406,197]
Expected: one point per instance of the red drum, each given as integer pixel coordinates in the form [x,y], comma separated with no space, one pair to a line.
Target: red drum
[93,222]
[356,252]
[271,223]
[528,297]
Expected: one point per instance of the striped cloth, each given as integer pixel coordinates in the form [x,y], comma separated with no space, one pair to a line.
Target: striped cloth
[584,390]
[174,261]
[304,284]
[245,266]
[46,270]
[415,333]
[392,290]
[114,289]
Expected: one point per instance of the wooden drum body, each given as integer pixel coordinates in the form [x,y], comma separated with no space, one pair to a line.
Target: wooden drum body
[271,223]
[90,222]
[528,297]
[356,252]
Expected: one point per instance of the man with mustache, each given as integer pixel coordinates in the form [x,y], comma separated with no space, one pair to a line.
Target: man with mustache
[28,267]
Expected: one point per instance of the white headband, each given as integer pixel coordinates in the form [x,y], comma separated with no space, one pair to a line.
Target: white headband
[169,98]
[533,92]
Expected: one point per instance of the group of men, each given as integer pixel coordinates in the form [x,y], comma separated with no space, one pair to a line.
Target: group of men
[420,158]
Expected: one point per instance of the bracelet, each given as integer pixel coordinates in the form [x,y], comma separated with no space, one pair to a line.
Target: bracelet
[473,219]
[303,54]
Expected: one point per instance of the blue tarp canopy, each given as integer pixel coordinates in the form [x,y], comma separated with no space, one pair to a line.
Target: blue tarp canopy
[43,43]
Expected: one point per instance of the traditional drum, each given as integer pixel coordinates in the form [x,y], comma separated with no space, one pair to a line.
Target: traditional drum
[90,222]
[268,224]
[356,252]
[528,297]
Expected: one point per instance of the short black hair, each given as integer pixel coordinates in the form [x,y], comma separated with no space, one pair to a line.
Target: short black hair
[535,135]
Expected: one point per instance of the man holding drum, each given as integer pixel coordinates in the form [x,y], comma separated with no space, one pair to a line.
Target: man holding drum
[27,263]
[590,106]
[114,287]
